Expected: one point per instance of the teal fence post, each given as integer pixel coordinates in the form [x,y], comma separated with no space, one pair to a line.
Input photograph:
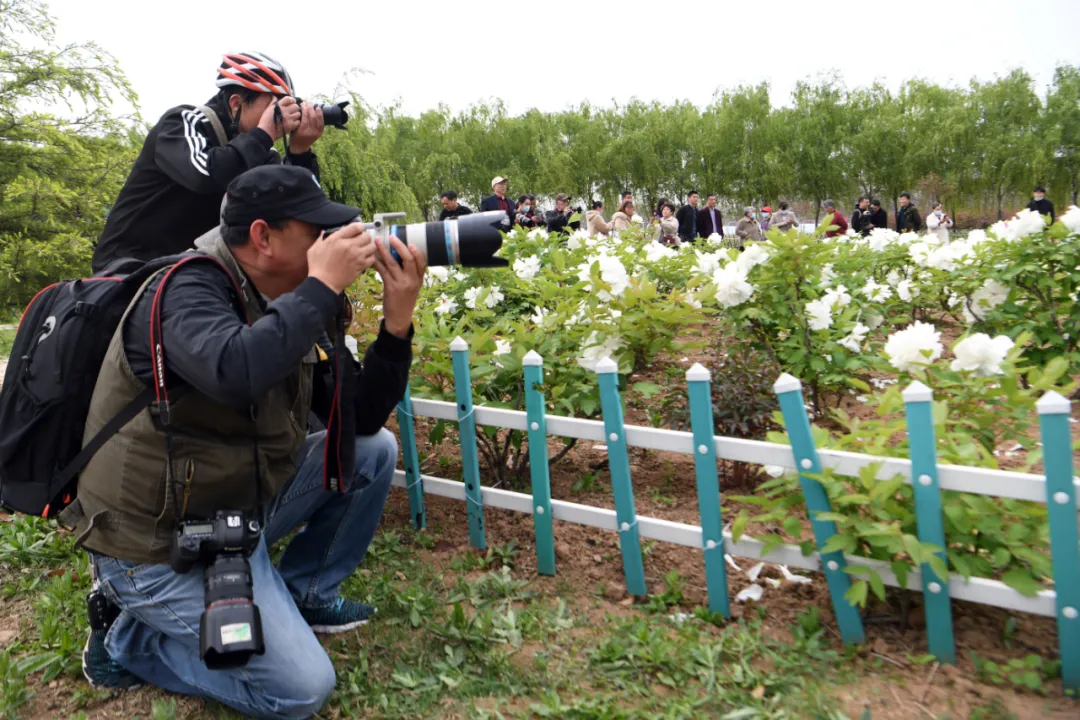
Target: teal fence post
[470,464]
[619,462]
[1064,543]
[413,480]
[699,387]
[789,391]
[924,479]
[538,463]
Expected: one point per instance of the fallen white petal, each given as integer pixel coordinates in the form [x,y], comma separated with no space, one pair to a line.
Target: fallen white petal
[788,575]
[753,572]
[754,592]
[731,562]
[773,582]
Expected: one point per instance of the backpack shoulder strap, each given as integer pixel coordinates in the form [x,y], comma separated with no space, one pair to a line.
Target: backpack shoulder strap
[141,401]
[215,122]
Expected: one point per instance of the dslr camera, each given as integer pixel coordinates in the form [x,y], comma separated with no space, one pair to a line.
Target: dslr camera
[333,114]
[230,628]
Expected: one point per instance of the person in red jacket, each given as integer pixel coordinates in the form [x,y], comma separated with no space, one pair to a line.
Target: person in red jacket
[834,218]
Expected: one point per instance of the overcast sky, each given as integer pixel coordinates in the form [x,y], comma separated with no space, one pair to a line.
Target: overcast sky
[554,55]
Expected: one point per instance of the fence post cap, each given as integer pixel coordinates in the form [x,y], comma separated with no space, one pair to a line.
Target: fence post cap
[532,358]
[786,383]
[698,373]
[917,392]
[1053,403]
[606,367]
[459,344]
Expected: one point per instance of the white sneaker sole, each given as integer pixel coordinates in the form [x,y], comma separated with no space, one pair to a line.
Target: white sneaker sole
[335,629]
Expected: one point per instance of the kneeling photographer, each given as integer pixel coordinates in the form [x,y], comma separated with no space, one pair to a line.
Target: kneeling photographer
[222,465]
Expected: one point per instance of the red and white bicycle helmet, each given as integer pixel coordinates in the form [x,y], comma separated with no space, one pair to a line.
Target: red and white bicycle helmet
[254,71]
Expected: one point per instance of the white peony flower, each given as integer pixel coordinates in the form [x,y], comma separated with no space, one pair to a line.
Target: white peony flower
[731,286]
[526,268]
[458,276]
[502,347]
[714,239]
[855,338]
[906,291]
[1071,219]
[907,238]
[539,315]
[612,272]
[990,295]
[436,275]
[752,256]
[875,292]
[916,346]
[593,351]
[881,238]
[1026,223]
[654,252]
[538,234]
[708,263]
[1002,231]
[893,278]
[494,297]
[919,252]
[827,275]
[446,305]
[837,298]
[873,320]
[820,314]
[976,237]
[982,354]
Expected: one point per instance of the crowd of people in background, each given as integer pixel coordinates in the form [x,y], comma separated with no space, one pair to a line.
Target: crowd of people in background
[671,225]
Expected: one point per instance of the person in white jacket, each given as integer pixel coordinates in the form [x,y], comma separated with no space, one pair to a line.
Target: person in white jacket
[938,223]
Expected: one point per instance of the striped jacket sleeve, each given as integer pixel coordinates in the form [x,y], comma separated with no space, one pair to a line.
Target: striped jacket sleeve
[187,150]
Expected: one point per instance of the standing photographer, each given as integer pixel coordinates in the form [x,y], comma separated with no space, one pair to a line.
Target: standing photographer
[174,191]
[862,216]
[559,219]
[248,350]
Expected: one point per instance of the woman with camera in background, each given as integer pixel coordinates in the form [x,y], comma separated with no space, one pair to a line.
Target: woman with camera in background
[668,224]
[938,223]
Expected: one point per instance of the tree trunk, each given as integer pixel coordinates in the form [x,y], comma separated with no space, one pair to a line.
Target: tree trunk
[817,212]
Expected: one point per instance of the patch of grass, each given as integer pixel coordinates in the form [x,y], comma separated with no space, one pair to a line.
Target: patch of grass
[467,641]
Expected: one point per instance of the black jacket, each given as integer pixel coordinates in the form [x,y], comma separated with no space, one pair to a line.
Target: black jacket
[687,217]
[861,221]
[1043,207]
[879,218]
[558,222]
[491,202]
[210,347]
[173,194]
[461,210]
[908,219]
[705,223]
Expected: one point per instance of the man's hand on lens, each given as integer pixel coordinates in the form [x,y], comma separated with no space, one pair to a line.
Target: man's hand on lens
[310,129]
[401,284]
[339,259]
[289,120]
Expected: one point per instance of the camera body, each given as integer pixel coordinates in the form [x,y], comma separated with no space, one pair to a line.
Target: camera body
[230,628]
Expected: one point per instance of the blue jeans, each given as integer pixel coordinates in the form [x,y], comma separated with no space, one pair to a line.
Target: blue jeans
[156,635]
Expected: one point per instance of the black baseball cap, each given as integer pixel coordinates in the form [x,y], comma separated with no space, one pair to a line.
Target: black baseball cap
[282,192]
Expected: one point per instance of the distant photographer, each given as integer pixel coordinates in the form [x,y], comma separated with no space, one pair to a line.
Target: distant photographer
[246,355]
[174,191]
[558,220]
[861,218]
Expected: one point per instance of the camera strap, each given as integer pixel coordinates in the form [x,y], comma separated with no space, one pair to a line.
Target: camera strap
[157,355]
[339,453]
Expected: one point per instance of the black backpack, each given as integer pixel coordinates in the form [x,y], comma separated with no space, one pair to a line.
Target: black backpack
[55,360]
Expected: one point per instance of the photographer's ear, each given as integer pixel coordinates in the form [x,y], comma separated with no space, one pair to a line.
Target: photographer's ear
[259,236]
